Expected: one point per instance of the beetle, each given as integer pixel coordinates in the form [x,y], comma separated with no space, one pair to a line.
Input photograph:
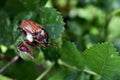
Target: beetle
[24,48]
[34,32]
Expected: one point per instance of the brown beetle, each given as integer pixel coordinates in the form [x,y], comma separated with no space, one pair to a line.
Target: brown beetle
[34,32]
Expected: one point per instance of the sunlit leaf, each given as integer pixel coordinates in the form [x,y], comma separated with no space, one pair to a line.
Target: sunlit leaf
[104,60]
[114,28]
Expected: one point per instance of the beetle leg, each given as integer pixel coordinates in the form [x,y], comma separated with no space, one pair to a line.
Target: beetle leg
[22,30]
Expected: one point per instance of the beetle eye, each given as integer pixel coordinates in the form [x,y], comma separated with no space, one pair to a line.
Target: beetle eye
[44,40]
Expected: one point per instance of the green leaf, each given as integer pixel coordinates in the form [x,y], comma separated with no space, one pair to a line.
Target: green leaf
[75,28]
[33,4]
[71,56]
[22,70]
[97,14]
[52,21]
[113,31]
[75,75]
[51,53]
[114,28]
[5,29]
[2,64]
[14,7]
[2,3]
[42,2]
[25,56]
[104,60]
[39,59]
[60,74]
[10,53]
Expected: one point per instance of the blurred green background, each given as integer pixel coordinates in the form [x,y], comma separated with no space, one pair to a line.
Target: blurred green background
[87,22]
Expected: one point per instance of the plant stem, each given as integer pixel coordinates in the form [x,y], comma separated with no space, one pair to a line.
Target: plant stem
[89,72]
[115,13]
[75,68]
[67,65]
[9,63]
[106,27]
[45,72]
[108,18]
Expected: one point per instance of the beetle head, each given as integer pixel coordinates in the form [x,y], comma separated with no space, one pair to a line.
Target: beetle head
[42,38]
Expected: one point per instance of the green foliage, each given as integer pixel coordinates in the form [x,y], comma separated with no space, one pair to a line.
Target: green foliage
[33,5]
[18,18]
[5,26]
[68,51]
[52,21]
[104,60]
[114,28]
[22,70]
[60,74]
[14,7]
[73,27]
